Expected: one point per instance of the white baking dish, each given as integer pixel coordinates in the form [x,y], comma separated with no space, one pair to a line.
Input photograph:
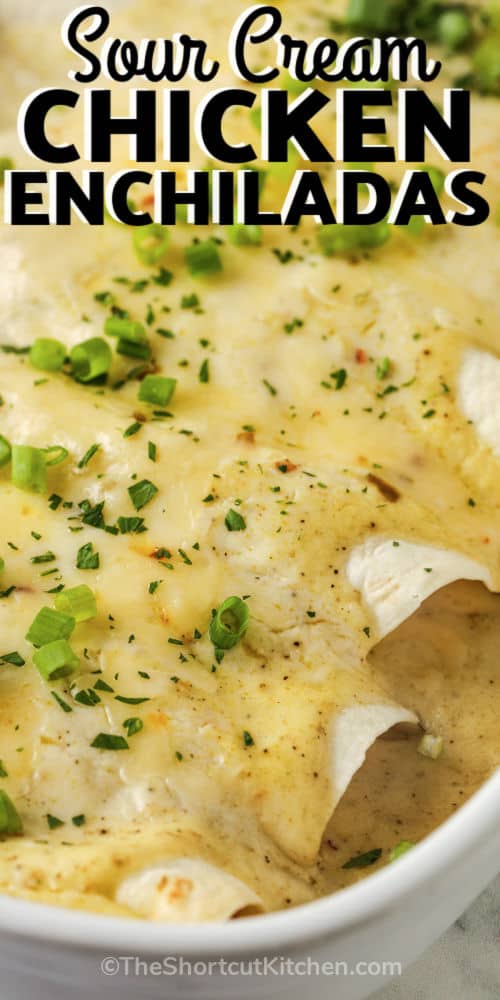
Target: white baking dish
[53,954]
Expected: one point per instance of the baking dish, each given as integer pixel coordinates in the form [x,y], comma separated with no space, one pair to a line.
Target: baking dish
[391,917]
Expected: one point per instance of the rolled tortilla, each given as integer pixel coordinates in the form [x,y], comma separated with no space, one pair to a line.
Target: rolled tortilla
[395,577]
[353,732]
[479,395]
[186,890]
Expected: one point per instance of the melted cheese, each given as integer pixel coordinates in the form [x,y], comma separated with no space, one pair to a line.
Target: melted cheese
[327,482]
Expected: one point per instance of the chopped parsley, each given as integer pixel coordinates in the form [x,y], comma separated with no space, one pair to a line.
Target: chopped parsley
[89,454]
[53,822]
[364,860]
[14,659]
[86,557]
[133,726]
[142,493]
[204,372]
[234,521]
[108,741]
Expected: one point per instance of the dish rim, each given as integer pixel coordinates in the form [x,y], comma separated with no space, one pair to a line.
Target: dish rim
[471,824]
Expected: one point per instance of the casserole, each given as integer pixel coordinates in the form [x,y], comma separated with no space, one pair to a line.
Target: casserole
[381,575]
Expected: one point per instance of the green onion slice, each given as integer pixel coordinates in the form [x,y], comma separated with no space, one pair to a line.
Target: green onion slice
[29,468]
[47,354]
[125,329]
[132,349]
[78,602]
[400,849]
[157,390]
[5,451]
[241,235]
[55,454]
[343,239]
[56,659]
[486,65]
[10,820]
[203,258]
[454,28]
[49,625]
[91,359]
[229,623]
[151,243]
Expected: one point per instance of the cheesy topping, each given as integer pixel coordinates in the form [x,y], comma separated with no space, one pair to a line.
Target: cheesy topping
[311,435]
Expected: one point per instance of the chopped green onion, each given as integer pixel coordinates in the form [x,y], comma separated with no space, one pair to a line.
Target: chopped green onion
[400,849]
[383,368]
[229,623]
[203,258]
[49,625]
[342,239]
[47,354]
[91,359]
[364,860]
[55,659]
[79,602]
[241,235]
[141,493]
[382,16]
[157,390]
[55,455]
[131,349]
[107,741]
[248,739]
[486,65]
[453,28]
[431,746]
[86,557]
[6,163]
[151,243]
[29,468]
[10,821]
[234,521]
[152,451]
[416,225]
[78,820]
[125,329]
[438,178]
[5,451]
